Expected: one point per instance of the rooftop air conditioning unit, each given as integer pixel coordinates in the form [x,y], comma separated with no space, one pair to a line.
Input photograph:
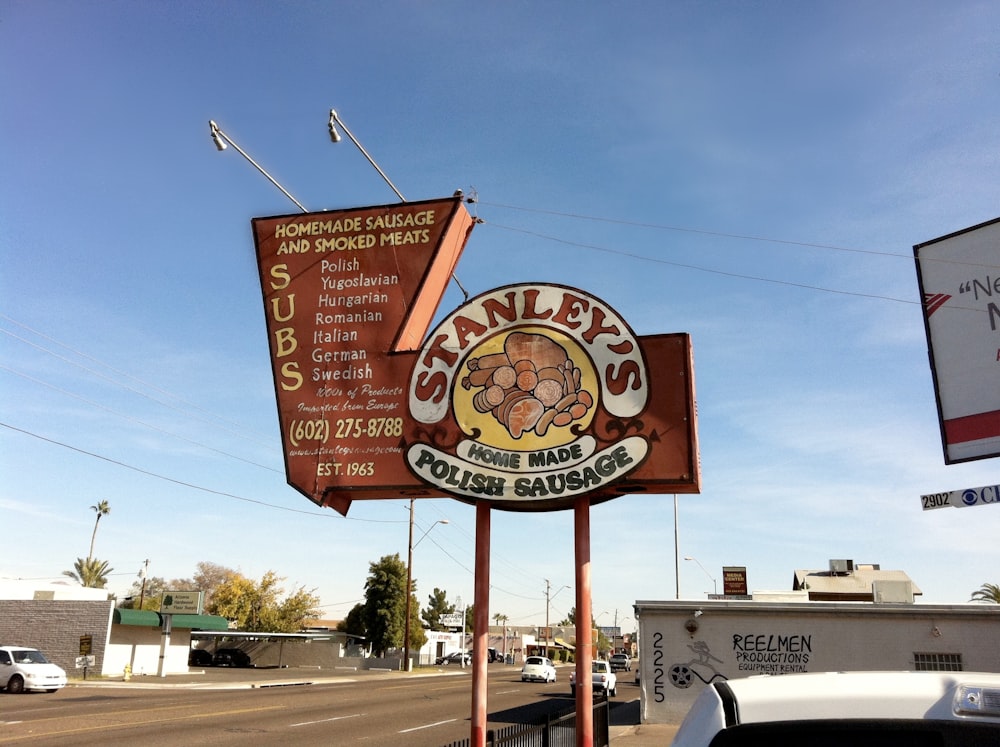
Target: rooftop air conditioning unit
[841,566]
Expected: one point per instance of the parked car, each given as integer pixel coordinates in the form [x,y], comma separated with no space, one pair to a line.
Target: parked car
[619,662]
[231,657]
[459,657]
[199,657]
[24,669]
[862,709]
[538,669]
[603,678]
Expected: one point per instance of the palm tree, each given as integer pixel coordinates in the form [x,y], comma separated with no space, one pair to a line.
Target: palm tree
[101,509]
[989,593]
[90,572]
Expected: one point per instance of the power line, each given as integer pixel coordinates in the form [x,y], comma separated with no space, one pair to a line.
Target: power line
[236,428]
[129,418]
[724,235]
[140,470]
[698,268]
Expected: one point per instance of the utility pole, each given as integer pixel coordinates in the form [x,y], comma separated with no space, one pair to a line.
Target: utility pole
[548,588]
[142,572]
[404,663]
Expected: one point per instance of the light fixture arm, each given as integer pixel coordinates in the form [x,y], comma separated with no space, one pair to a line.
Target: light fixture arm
[335,136]
[221,139]
[715,587]
[439,521]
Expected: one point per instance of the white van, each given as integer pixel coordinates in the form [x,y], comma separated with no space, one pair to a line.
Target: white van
[24,669]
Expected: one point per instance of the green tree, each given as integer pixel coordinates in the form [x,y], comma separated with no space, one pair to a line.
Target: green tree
[155,586]
[470,618]
[417,635]
[437,605]
[603,643]
[989,593]
[207,578]
[259,607]
[354,623]
[90,572]
[103,508]
[385,603]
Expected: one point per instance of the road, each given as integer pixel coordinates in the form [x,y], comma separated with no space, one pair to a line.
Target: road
[383,711]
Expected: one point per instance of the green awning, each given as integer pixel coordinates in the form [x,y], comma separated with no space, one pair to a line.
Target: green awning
[151,619]
[146,618]
[200,622]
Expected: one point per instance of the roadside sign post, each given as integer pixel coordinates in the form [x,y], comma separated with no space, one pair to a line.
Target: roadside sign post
[85,659]
[175,602]
[961,498]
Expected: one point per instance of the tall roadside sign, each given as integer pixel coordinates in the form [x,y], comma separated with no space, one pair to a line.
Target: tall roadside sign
[959,279]
[526,397]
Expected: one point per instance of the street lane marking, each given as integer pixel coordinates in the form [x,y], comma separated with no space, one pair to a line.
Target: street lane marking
[428,726]
[102,727]
[326,720]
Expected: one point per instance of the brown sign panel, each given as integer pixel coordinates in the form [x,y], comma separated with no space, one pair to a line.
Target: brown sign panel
[734,581]
[346,291]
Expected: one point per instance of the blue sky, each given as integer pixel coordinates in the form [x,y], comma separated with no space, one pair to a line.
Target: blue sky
[754,174]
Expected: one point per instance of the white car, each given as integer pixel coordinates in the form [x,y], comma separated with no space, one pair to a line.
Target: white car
[603,678]
[27,669]
[538,669]
[861,709]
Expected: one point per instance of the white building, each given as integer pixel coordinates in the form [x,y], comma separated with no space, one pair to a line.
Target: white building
[685,645]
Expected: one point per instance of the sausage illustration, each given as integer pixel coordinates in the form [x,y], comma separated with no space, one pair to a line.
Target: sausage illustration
[532,386]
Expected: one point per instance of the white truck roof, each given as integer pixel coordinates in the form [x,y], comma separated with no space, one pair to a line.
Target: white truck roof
[864,701]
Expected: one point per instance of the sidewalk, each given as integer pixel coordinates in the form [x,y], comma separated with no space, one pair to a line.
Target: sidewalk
[224,678]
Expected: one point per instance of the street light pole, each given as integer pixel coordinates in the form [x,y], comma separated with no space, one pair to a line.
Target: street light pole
[548,599]
[404,664]
[715,588]
[221,140]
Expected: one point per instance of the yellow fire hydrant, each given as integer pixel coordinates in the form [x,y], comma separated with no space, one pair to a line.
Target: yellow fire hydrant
[128,672]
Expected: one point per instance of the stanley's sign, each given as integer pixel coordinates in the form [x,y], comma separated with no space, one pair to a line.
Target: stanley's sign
[526,396]
[530,395]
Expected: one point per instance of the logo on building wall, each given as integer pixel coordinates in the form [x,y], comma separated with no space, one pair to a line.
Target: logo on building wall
[525,394]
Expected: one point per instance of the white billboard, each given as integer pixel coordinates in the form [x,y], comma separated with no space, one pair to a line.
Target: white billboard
[959,278]
[454,620]
[181,602]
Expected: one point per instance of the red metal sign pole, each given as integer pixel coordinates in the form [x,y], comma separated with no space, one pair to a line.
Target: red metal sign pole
[481,624]
[584,616]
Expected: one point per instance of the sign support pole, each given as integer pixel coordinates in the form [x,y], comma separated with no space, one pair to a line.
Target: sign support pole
[481,624]
[168,620]
[584,616]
